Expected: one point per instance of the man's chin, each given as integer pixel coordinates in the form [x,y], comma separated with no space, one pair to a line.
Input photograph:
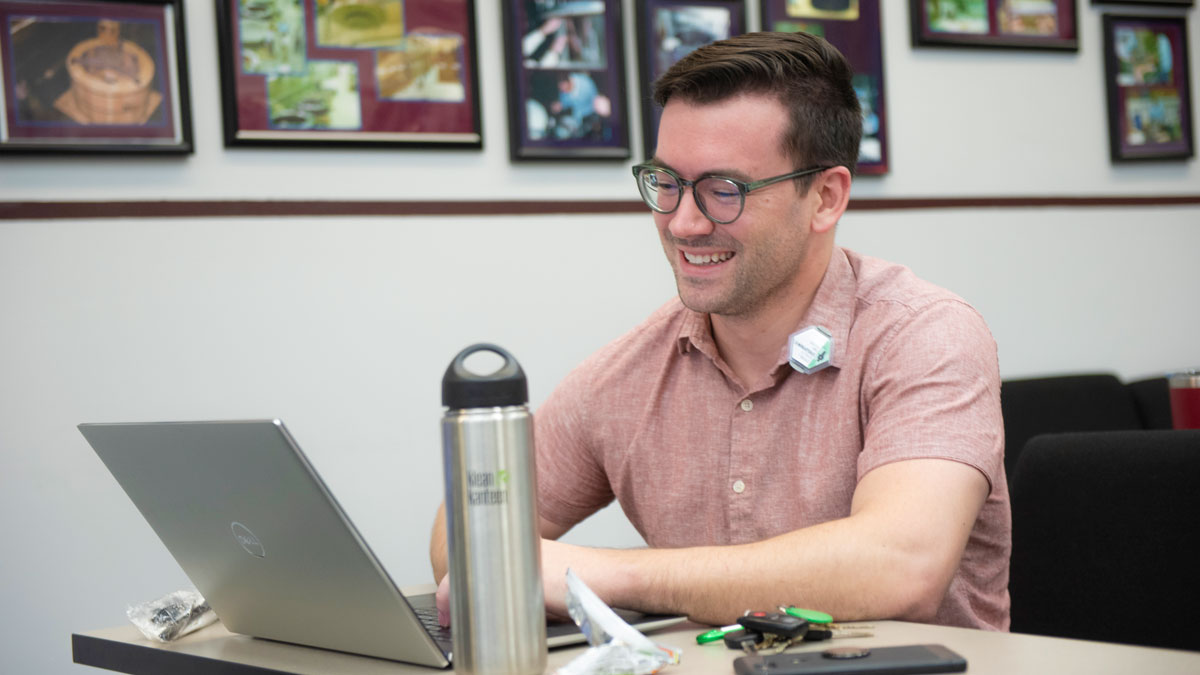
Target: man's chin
[698,302]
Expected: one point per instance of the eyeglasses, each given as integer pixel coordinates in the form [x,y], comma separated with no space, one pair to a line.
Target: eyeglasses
[720,199]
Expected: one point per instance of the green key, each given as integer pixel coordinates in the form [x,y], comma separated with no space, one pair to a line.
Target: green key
[717,633]
[809,615]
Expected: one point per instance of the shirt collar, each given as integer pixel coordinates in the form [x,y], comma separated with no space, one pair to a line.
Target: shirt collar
[696,332]
[832,308]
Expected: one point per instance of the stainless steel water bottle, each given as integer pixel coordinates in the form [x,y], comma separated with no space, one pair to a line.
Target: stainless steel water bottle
[497,611]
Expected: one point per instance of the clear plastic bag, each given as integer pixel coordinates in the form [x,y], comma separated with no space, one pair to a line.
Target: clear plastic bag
[616,647]
[171,616]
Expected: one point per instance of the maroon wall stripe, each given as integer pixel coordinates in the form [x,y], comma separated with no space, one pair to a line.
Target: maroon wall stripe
[224,208]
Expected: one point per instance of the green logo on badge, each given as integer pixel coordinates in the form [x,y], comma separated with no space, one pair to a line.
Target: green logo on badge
[822,357]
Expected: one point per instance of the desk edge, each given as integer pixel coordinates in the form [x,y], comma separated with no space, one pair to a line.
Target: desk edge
[124,657]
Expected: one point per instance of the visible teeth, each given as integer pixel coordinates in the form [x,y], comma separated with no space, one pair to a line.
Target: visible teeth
[708,259]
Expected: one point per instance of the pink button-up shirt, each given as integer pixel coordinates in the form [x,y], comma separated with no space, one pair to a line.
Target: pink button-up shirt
[657,420]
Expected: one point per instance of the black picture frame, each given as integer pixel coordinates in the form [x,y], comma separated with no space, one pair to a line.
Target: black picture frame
[388,74]
[1148,85]
[565,70]
[855,28]
[998,24]
[667,30]
[94,76]
[1147,3]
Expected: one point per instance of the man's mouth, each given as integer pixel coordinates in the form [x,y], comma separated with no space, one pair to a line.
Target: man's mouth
[709,259]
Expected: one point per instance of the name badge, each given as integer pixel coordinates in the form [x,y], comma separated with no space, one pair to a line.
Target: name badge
[810,349]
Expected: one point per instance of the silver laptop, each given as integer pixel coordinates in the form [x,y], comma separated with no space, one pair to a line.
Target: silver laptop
[256,530]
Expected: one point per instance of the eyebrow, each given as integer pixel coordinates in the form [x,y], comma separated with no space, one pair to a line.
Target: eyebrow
[723,173]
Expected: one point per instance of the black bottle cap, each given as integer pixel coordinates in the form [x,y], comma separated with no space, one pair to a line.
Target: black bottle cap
[462,388]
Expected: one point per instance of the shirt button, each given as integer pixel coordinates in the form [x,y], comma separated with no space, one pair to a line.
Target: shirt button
[739,487]
[747,405]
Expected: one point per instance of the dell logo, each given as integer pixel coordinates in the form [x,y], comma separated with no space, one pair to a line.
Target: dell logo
[246,539]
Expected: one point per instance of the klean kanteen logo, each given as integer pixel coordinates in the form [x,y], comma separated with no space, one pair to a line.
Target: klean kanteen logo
[487,487]
[246,539]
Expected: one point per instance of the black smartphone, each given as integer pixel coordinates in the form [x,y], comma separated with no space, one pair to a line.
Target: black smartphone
[842,660]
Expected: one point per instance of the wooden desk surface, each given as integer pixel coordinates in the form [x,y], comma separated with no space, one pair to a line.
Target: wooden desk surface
[216,650]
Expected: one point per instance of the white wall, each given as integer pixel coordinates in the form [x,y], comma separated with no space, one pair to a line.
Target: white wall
[342,327]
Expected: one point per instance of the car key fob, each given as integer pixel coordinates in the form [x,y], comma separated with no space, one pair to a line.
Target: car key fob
[780,625]
[738,639]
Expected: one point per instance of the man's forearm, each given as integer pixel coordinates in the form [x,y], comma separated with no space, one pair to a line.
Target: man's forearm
[716,584]
[892,558]
[827,567]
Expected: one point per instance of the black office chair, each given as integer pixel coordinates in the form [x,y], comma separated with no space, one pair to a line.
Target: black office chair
[1152,396]
[1047,405]
[1106,537]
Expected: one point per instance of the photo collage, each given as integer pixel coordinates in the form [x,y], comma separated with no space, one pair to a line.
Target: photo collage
[668,31]
[1150,98]
[853,26]
[565,54]
[1003,17]
[336,64]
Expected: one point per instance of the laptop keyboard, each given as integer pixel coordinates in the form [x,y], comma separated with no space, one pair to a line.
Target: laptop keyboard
[439,633]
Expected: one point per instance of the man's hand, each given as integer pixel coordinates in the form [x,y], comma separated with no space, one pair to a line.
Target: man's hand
[556,557]
[443,600]
[554,566]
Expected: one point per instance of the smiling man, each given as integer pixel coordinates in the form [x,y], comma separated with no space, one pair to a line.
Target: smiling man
[803,425]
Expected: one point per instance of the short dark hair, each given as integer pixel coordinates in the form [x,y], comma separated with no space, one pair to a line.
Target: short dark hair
[805,73]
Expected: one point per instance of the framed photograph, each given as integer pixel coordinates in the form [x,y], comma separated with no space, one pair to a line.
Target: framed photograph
[566,80]
[667,31]
[84,76]
[1149,91]
[1013,24]
[385,73]
[854,27]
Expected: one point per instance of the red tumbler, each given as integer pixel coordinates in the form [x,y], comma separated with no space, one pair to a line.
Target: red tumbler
[1185,399]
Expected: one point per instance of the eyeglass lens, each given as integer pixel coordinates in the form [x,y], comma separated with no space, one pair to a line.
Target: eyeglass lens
[719,198]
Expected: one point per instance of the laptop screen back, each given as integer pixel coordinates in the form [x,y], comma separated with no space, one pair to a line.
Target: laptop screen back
[258,533]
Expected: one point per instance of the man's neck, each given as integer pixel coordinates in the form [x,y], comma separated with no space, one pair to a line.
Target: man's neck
[750,343]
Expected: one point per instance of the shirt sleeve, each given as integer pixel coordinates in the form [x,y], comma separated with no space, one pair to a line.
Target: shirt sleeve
[572,483]
[932,390]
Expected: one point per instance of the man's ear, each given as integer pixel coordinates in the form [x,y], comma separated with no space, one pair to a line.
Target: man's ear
[832,194]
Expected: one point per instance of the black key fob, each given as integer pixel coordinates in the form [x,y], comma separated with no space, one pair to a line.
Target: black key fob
[780,625]
[738,639]
[818,633]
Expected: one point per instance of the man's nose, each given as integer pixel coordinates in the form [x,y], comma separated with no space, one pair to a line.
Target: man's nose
[688,220]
